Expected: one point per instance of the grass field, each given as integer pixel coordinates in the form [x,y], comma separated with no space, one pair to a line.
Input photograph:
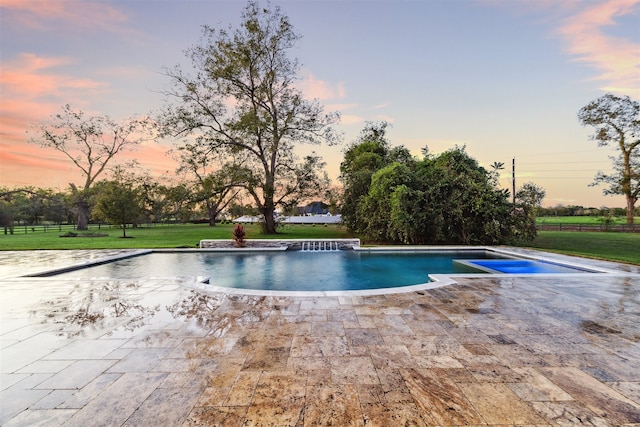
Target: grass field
[623,247]
[173,236]
[584,220]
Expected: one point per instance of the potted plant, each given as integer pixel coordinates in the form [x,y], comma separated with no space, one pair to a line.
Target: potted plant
[238,236]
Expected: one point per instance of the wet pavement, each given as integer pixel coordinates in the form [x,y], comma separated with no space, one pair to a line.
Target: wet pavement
[534,351]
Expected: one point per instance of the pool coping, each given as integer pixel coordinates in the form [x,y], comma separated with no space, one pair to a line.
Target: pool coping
[200,283]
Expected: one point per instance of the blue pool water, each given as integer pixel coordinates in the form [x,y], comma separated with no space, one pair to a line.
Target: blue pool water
[291,271]
[315,271]
[523,266]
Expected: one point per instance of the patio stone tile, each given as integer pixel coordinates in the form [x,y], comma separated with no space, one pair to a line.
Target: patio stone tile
[422,327]
[363,336]
[18,356]
[118,402]
[370,393]
[165,406]
[353,370]
[629,389]
[327,329]
[333,405]
[437,362]
[516,356]
[33,380]
[367,321]
[77,375]
[140,360]
[497,404]
[569,414]
[54,399]
[15,400]
[536,387]
[318,376]
[241,393]
[7,380]
[390,356]
[41,418]
[86,349]
[469,335]
[439,399]
[496,374]
[437,345]
[307,304]
[176,365]
[600,399]
[271,356]
[348,317]
[154,339]
[214,416]
[304,364]
[392,414]
[477,349]
[278,400]
[83,396]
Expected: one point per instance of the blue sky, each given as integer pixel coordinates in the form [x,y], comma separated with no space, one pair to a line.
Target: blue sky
[504,78]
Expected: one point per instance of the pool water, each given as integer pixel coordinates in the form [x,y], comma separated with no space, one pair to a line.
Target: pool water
[523,266]
[291,270]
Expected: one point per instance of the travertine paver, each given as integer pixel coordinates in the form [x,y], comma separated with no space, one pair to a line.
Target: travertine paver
[542,351]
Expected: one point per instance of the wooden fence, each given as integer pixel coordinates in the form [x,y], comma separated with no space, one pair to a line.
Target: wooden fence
[620,228]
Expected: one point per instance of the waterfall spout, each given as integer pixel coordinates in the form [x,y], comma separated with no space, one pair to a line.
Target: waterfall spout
[319,246]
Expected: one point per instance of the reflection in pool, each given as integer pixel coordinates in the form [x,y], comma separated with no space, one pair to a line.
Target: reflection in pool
[302,271]
[292,270]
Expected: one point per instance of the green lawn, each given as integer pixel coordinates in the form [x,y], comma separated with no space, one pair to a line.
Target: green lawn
[623,247]
[168,236]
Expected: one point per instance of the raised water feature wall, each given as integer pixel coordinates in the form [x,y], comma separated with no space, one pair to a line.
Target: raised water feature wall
[290,244]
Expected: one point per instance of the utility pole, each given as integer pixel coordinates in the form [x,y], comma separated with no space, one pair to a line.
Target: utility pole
[513,180]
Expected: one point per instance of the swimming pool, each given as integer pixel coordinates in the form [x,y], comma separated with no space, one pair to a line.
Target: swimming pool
[300,271]
[521,266]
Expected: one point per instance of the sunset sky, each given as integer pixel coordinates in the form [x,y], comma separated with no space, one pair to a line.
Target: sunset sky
[504,78]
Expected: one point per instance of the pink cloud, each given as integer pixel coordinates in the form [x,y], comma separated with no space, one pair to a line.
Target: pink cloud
[313,88]
[32,91]
[64,14]
[616,58]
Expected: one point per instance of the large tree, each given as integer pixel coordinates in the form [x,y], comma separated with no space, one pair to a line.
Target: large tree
[243,98]
[443,199]
[617,122]
[367,154]
[217,179]
[90,142]
[531,195]
[119,201]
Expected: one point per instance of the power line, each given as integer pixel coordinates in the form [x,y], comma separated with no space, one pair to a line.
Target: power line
[560,152]
[565,163]
[556,170]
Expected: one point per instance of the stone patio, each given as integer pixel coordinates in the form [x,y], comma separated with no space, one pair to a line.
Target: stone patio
[499,351]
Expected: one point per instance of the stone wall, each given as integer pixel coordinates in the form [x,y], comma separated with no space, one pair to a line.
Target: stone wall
[291,244]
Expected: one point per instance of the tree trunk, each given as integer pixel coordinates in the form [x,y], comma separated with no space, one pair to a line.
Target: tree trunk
[268,209]
[269,226]
[212,209]
[630,209]
[83,215]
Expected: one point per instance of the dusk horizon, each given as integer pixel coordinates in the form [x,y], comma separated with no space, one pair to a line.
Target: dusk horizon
[506,80]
